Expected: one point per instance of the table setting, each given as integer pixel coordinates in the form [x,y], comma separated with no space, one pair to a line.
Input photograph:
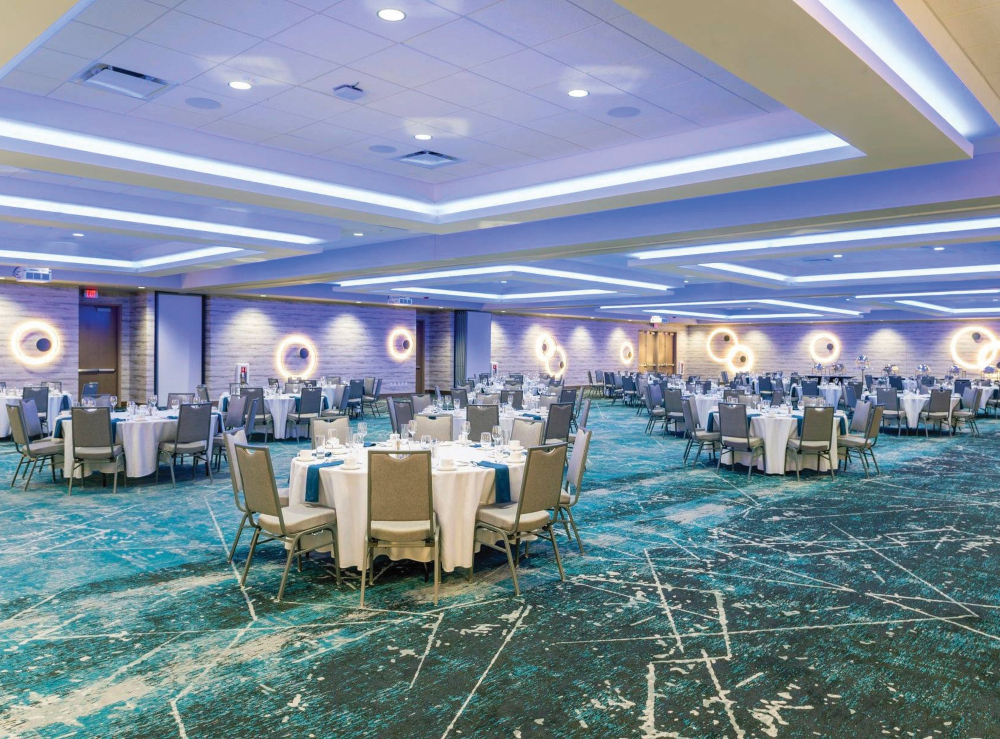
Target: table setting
[507,417]
[279,405]
[58,402]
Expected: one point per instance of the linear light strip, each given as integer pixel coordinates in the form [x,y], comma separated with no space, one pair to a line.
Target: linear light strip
[851,276]
[148,219]
[943,309]
[833,237]
[743,155]
[763,301]
[499,269]
[738,317]
[501,298]
[184,256]
[930,294]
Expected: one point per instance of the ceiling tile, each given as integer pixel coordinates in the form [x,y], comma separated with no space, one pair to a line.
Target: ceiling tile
[177,97]
[466,89]
[296,144]
[330,39]
[405,66]
[465,44]
[174,116]
[317,5]
[269,119]
[281,63]
[329,134]
[601,93]
[364,145]
[735,85]
[197,37]
[261,19]
[597,46]
[421,16]
[405,134]
[121,16]
[375,88]
[525,69]
[83,40]
[975,27]
[645,32]
[55,64]
[604,138]
[94,98]
[467,123]
[217,79]
[601,109]
[644,73]
[985,57]
[533,22]
[414,106]
[464,7]
[30,83]
[368,121]
[694,61]
[703,102]
[519,108]
[603,9]
[234,130]
[308,103]
[564,125]
[158,61]
[530,142]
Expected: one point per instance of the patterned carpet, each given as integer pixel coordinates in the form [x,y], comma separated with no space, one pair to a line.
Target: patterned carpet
[706,607]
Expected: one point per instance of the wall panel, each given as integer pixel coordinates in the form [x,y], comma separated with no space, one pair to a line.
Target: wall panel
[57,306]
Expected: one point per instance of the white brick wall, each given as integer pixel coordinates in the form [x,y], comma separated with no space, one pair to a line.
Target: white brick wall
[58,306]
[439,351]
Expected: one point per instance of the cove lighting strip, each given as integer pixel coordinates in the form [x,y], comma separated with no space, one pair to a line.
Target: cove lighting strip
[148,219]
[833,237]
[743,155]
[500,269]
[501,298]
[930,294]
[973,269]
[943,309]
[762,301]
[736,317]
[184,256]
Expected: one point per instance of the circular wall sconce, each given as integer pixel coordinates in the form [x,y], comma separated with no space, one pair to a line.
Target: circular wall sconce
[627,352]
[559,359]
[401,344]
[545,347]
[727,336]
[47,345]
[307,351]
[739,359]
[988,354]
[825,348]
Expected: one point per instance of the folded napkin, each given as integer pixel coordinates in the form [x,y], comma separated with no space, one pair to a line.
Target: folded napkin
[501,480]
[312,479]
[171,417]
[533,417]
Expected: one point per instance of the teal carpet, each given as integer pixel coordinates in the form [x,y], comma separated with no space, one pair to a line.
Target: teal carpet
[706,606]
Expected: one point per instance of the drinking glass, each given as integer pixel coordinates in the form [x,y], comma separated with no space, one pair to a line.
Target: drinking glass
[425,441]
[466,428]
[485,439]
[357,442]
[114,402]
[497,432]
[319,439]
[175,405]
[363,430]
[411,429]
[458,404]
[152,401]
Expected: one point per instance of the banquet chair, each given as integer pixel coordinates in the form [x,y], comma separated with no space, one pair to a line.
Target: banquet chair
[41,397]
[541,487]
[420,401]
[89,389]
[730,396]
[513,397]
[370,400]
[850,399]
[966,416]
[356,397]
[777,396]
[698,436]
[262,417]
[579,404]
[31,420]
[765,387]
[735,430]
[180,398]
[583,416]
[369,386]
[93,442]
[400,509]
[274,383]
[527,431]
[482,419]
[339,427]
[335,380]
[234,419]
[557,426]
[33,453]
[938,411]
[403,412]
[888,398]
[229,441]
[235,389]
[630,392]
[310,406]
[490,399]
[394,427]
[461,395]
[859,417]
[674,409]
[573,485]
[923,390]
[869,382]
[810,388]
[817,424]
[864,444]
[289,525]
[439,428]
[341,410]
[310,383]
[961,386]
[617,387]
[194,429]
[895,381]
[201,393]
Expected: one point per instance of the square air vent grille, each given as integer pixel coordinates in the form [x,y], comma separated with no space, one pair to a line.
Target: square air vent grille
[123,81]
[428,159]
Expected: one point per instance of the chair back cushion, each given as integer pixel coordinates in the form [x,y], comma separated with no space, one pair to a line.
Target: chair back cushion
[399,486]
[257,477]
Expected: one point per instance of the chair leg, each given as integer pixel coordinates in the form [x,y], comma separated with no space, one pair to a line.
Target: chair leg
[576,531]
[364,573]
[17,472]
[437,567]
[875,462]
[173,477]
[798,467]
[31,472]
[292,554]
[52,464]
[239,533]
[555,548]
[336,552]
[253,548]
[561,513]
[510,564]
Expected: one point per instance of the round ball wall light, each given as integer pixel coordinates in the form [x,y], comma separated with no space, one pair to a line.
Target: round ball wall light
[47,345]
[739,359]
[306,350]
[401,344]
[825,348]
[727,336]
[627,352]
[987,354]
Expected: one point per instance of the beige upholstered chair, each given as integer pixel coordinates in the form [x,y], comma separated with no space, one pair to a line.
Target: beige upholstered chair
[529,516]
[735,429]
[93,443]
[310,407]
[482,419]
[527,431]
[229,441]
[966,416]
[863,444]
[339,427]
[420,401]
[697,436]
[938,411]
[888,398]
[288,525]
[33,453]
[557,425]
[194,429]
[817,425]
[400,509]
[570,494]
[436,427]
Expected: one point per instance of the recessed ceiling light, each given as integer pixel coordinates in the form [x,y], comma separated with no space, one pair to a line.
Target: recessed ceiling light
[578,93]
[938,248]
[263,296]
[423,137]
[837,256]
[391,14]
[240,85]
[358,233]
[141,287]
[78,235]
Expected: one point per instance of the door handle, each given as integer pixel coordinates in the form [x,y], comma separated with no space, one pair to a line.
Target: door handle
[98,371]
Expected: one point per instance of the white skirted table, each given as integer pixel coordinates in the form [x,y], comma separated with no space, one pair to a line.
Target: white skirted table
[704,404]
[58,402]
[458,494]
[278,407]
[913,404]
[831,393]
[506,420]
[776,429]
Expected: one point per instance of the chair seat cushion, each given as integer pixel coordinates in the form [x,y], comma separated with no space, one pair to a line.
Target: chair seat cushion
[700,435]
[564,498]
[892,414]
[809,446]
[331,414]
[738,442]
[297,417]
[47,447]
[502,516]
[678,415]
[298,518]
[935,414]
[402,530]
[963,414]
[187,447]
[852,441]
[555,441]
[659,412]
[97,452]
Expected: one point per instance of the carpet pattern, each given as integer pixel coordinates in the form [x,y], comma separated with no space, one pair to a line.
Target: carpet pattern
[706,606]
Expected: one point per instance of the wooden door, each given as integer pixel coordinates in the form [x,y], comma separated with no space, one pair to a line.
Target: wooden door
[418,353]
[100,327]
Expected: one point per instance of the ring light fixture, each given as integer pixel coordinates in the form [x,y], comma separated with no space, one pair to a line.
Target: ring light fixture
[718,332]
[48,345]
[744,354]
[627,352]
[987,354]
[560,355]
[824,342]
[545,347]
[401,344]
[304,344]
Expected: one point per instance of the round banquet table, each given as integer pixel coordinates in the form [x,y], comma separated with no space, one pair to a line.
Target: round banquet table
[831,394]
[912,405]
[704,404]
[58,402]
[278,407]
[506,421]
[139,438]
[776,430]
[458,494]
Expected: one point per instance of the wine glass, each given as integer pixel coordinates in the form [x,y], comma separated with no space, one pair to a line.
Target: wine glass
[175,405]
[425,441]
[114,402]
[363,430]
[466,429]
[485,439]
[411,429]
[497,433]
[319,440]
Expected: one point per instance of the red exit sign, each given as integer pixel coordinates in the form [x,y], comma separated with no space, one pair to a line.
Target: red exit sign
[91,293]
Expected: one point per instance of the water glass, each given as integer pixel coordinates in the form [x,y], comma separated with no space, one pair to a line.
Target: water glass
[363,429]
[485,439]
[114,402]
[466,428]
[411,429]
[425,441]
[175,405]
[319,439]
[497,432]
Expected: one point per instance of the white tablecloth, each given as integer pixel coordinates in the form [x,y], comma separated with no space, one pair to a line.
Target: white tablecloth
[140,440]
[457,496]
[704,404]
[776,430]
[279,407]
[913,404]
[506,422]
[831,393]
[55,406]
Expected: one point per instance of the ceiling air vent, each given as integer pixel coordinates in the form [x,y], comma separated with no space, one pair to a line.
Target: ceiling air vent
[428,159]
[123,81]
